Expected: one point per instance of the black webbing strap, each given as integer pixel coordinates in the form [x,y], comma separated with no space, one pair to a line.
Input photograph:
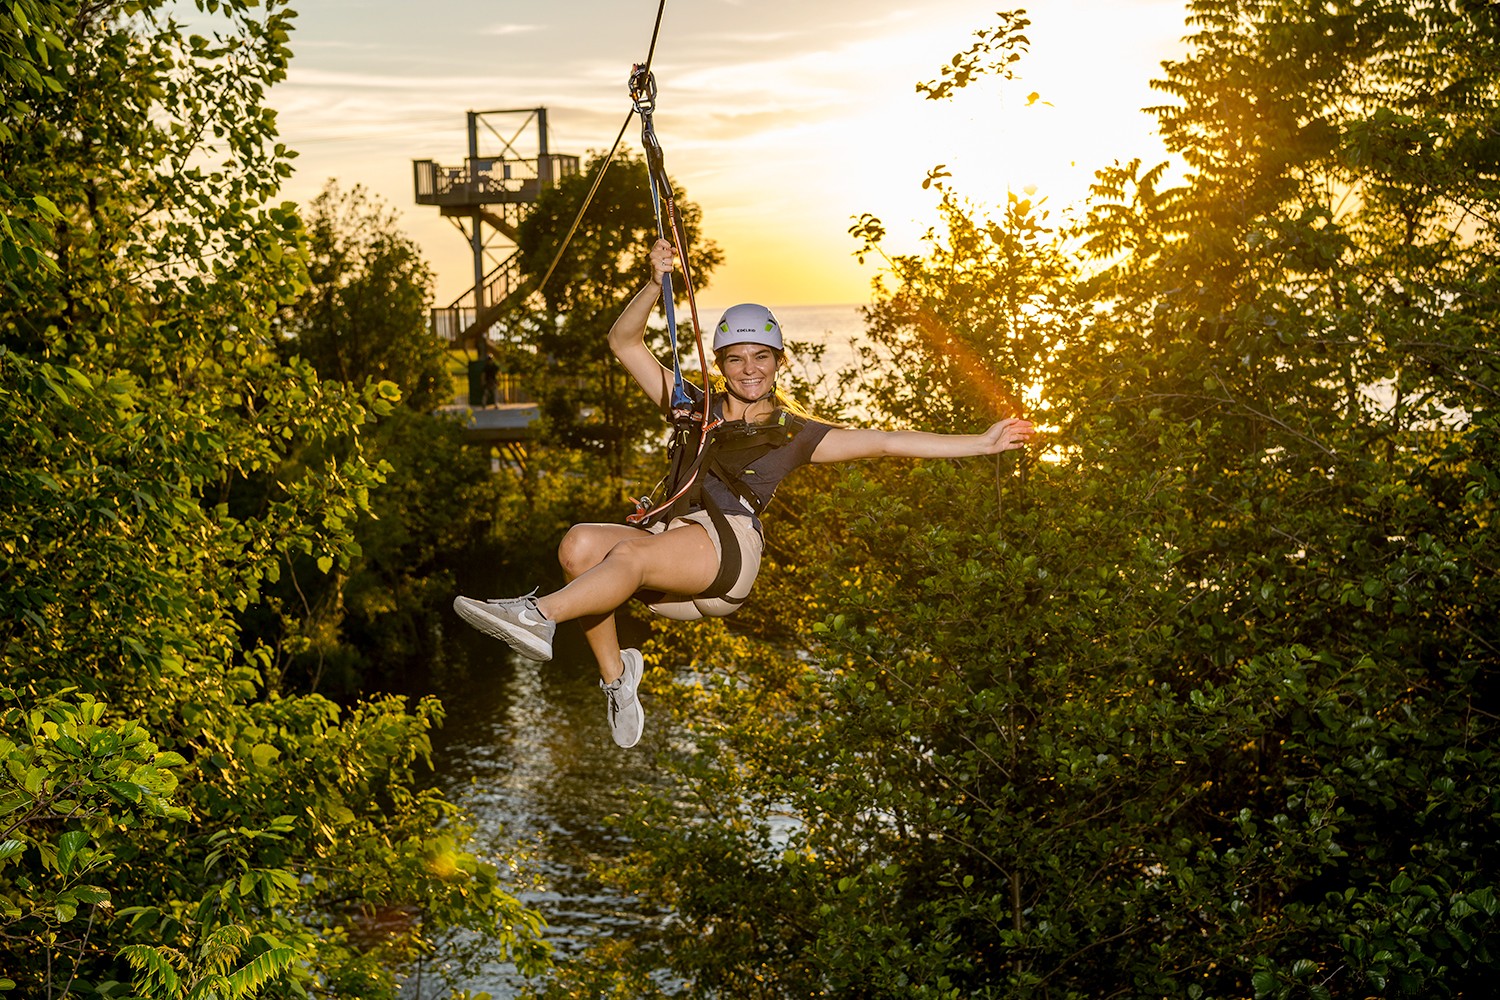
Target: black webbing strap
[733,448]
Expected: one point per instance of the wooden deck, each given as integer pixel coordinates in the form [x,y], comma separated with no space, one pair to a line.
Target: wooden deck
[502,423]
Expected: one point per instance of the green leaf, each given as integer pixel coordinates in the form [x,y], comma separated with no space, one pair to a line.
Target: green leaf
[265,967]
[154,964]
[68,847]
[90,894]
[126,791]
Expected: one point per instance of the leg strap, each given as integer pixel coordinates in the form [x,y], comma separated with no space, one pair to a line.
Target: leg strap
[730,562]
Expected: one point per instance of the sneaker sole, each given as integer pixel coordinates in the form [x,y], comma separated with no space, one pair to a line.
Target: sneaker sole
[522,641]
[639,710]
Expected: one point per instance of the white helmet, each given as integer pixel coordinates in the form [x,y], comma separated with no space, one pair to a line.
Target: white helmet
[747,323]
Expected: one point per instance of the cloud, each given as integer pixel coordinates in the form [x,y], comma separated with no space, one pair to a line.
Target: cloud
[327,44]
[509,29]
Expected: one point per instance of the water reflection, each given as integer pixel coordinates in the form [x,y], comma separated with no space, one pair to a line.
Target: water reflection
[526,750]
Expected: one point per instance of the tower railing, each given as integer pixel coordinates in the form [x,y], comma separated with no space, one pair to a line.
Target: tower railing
[456,323]
[488,180]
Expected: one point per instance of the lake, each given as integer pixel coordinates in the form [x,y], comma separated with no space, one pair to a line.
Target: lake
[525,749]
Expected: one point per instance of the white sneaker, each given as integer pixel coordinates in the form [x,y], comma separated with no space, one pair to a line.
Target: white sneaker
[514,620]
[627,720]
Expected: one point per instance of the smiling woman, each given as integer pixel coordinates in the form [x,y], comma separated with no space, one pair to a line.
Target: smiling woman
[698,553]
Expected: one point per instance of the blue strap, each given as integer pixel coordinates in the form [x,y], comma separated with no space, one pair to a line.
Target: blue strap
[680,398]
[643,96]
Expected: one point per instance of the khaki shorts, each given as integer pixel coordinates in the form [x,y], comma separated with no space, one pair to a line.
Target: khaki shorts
[750,545]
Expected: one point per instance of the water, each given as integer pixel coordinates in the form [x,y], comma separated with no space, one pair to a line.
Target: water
[820,323]
[526,751]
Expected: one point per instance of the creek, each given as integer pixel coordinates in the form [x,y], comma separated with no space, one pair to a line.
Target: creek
[526,751]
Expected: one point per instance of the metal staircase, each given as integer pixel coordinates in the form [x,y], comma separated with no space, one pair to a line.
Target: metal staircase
[487,198]
[460,324]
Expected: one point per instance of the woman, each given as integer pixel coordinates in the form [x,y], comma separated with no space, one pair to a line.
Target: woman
[681,560]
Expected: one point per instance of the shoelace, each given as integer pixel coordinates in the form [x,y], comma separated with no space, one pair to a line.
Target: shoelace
[515,600]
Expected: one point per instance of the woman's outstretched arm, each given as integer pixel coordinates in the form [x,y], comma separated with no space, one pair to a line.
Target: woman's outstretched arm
[843,444]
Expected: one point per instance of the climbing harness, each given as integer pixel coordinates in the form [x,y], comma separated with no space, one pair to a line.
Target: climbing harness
[728,454]
[692,429]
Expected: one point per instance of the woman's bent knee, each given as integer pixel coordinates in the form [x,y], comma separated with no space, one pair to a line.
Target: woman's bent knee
[584,547]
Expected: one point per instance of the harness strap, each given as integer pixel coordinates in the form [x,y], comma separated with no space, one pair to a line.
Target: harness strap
[725,452]
[730,562]
[732,448]
[729,552]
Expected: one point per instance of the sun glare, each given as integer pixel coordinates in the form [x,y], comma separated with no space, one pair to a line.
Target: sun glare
[780,192]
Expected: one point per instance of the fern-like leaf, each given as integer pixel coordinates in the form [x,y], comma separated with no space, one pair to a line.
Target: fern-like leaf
[158,977]
[210,987]
[259,971]
[221,948]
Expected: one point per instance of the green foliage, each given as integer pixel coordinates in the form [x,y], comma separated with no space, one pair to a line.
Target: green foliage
[173,825]
[374,621]
[1204,703]
[364,313]
[71,779]
[607,258]
[995,51]
[973,326]
[211,974]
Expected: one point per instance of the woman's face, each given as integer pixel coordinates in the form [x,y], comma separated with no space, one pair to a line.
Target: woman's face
[750,369]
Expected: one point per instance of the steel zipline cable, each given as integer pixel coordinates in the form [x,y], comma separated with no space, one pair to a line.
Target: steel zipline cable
[691,430]
[609,157]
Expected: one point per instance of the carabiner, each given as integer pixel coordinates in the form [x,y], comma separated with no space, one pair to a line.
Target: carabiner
[642,89]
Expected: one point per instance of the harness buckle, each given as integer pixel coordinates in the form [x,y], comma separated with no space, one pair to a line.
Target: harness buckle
[642,509]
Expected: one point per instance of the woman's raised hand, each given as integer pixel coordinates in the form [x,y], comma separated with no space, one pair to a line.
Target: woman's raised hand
[663,260]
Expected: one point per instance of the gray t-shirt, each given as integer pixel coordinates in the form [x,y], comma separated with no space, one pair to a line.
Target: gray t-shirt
[766,473]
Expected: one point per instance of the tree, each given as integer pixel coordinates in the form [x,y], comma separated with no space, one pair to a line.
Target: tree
[1203,705]
[364,313]
[587,399]
[363,319]
[173,825]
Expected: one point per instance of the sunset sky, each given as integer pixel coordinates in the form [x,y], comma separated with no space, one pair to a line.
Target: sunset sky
[782,119]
